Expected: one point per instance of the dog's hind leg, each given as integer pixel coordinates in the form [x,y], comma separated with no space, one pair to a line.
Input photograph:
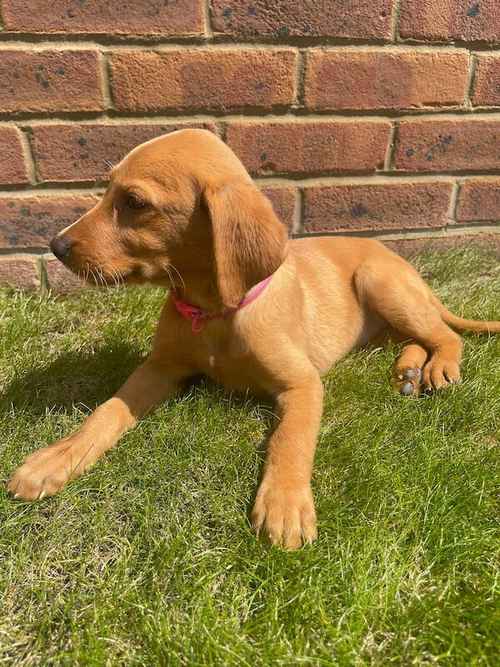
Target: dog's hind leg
[395,291]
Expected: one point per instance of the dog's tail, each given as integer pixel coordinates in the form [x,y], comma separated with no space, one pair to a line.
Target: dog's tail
[458,323]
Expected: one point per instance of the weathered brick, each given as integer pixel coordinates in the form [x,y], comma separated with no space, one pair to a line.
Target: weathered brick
[148,17]
[412,247]
[203,79]
[73,152]
[448,20]
[59,278]
[310,147]
[19,272]
[376,207]
[34,81]
[33,221]
[398,79]
[448,145]
[479,200]
[283,201]
[367,19]
[487,81]
[12,167]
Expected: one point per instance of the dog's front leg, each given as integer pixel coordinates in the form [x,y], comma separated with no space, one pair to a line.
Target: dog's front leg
[46,471]
[284,507]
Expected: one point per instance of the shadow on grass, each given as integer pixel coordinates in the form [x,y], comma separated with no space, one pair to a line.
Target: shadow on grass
[74,377]
[89,379]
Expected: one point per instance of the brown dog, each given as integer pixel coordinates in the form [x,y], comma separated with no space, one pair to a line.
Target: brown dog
[182,211]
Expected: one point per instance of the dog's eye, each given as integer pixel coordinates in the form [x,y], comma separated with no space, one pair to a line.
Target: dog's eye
[134,202]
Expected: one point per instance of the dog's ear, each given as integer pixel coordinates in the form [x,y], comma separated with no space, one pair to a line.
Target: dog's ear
[248,239]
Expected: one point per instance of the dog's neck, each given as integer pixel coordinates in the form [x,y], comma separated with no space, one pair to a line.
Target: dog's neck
[199,288]
[199,317]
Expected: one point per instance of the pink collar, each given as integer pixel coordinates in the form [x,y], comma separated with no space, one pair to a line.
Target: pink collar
[199,317]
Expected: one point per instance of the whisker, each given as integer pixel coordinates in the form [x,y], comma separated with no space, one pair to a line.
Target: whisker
[118,278]
[86,272]
[96,277]
[183,284]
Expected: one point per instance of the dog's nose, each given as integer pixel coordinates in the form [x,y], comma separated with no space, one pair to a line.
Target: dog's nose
[61,247]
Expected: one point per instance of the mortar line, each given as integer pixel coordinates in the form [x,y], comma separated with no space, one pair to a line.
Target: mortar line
[29,160]
[391,147]
[34,42]
[104,69]
[91,188]
[298,211]
[207,24]
[471,81]
[470,229]
[249,115]
[395,21]
[300,79]
[453,202]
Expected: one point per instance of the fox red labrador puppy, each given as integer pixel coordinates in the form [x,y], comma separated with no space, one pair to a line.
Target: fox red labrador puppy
[247,307]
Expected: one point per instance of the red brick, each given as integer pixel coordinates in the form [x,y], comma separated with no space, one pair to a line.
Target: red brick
[74,152]
[398,79]
[19,272]
[376,207]
[448,145]
[283,201]
[448,20]
[203,79]
[310,147]
[12,167]
[59,278]
[412,247]
[479,200]
[487,81]
[364,19]
[33,221]
[35,81]
[147,17]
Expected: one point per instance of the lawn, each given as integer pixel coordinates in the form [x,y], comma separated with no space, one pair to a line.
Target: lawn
[149,559]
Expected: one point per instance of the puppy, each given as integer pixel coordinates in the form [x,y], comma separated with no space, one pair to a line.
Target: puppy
[247,307]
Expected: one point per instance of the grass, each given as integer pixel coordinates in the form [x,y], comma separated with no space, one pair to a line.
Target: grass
[149,560]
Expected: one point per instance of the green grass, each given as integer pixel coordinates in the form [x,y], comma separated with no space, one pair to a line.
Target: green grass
[148,559]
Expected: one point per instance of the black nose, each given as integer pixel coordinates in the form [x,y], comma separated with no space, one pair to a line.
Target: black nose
[61,247]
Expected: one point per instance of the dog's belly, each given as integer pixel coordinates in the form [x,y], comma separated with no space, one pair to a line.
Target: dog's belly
[335,325]
[328,344]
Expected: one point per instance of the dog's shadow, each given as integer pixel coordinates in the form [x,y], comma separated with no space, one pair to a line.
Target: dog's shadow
[73,378]
[89,379]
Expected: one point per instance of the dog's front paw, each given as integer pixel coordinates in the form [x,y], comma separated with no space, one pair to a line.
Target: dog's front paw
[45,472]
[407,380]
[285,513]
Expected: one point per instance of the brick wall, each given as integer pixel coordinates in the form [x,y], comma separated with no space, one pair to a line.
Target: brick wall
[377,117]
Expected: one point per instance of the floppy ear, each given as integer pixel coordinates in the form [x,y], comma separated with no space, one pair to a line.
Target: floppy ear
[248,239]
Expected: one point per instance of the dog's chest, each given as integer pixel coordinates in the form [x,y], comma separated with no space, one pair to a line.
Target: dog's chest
[229,364]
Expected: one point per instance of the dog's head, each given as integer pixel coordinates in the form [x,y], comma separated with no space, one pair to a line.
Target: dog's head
[178,208]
